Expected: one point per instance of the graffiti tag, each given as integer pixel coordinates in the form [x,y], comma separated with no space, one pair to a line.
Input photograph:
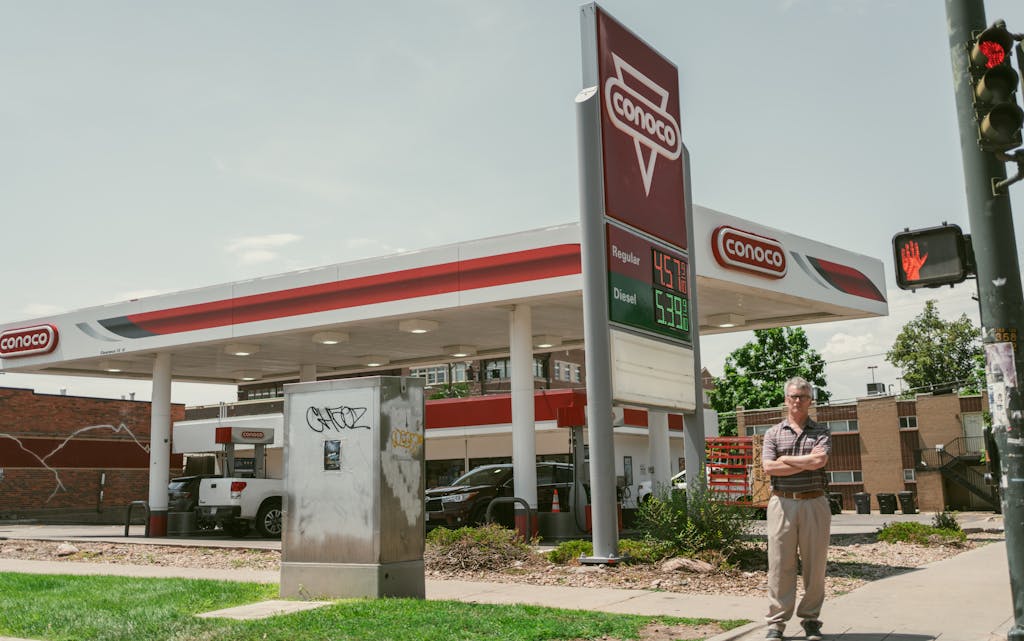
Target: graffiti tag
[406,440]
[335,419]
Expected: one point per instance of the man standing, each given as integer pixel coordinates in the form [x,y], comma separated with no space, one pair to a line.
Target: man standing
[794,456]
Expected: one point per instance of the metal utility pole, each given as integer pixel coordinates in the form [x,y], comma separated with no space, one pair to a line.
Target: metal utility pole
[999,288]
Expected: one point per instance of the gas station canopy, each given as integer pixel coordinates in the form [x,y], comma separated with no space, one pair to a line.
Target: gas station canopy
[432,306]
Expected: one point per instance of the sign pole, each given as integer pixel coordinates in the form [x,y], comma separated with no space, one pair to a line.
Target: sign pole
[595,329]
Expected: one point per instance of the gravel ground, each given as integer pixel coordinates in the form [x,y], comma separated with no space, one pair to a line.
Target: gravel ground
[853,561]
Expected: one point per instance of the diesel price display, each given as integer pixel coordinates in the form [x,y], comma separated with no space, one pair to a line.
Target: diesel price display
[647,285]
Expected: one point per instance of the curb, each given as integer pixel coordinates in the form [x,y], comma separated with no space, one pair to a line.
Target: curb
[737,633]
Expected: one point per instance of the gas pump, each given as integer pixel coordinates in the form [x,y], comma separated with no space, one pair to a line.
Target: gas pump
[228,437]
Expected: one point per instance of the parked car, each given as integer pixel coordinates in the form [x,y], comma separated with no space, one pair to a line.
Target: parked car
[183,493]
[646,490]
[465,501]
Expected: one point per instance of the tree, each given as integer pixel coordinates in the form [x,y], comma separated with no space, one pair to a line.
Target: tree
[755,373]
[935,354]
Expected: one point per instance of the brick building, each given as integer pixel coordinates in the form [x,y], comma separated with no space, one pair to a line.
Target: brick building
[931,446]
[73,458]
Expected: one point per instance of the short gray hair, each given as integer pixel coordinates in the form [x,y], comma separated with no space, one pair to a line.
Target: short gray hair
[800,383]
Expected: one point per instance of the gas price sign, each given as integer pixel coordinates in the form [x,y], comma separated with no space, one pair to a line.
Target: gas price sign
[647,285]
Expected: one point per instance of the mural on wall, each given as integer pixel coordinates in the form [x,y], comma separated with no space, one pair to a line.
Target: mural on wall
[43,460]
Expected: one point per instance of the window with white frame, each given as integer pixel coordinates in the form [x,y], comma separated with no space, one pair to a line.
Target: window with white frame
[434,374]
[758,429]
[499,369]
[910,475]
[842,426]
[567,372]
[908,422]
[851,476]
[577,376]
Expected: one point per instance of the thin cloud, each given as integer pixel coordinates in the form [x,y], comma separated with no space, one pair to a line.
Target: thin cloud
[250,250]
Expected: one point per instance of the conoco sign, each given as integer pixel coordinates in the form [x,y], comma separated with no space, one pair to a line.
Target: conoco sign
[642,146]
[745,251]
[28,341]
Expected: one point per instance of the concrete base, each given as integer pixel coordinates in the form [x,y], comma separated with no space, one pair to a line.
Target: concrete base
[352,580]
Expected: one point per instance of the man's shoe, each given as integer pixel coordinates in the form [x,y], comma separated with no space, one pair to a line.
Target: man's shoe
[812,630]
[774,633]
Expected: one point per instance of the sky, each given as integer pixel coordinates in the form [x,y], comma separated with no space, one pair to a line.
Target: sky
[154,147]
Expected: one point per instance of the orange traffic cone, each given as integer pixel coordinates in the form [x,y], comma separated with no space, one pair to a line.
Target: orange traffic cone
[555,507]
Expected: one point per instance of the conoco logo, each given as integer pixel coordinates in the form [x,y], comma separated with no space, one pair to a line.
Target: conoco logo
[654,131]
[28,341]
[252,434]
[738,249]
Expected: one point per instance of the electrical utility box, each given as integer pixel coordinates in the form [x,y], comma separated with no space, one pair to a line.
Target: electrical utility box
[353,489]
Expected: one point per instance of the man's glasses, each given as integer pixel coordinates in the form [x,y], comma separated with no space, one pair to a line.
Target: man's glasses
[798,397]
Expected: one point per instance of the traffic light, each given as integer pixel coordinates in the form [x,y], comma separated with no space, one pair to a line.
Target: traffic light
[995,84]
[931,257]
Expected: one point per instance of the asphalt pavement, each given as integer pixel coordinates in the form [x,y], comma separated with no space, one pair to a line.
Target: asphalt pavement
[964,598]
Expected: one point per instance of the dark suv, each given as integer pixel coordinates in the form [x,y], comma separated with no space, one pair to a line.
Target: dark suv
[465,501]
[183,493]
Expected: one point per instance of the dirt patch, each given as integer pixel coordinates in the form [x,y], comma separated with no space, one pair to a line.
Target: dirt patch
[852,563]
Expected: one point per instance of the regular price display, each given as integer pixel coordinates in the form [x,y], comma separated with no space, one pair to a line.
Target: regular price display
[671,304]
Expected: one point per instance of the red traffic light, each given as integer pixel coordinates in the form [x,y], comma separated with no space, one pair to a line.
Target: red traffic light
[994,53]
[930,257]
[995,84]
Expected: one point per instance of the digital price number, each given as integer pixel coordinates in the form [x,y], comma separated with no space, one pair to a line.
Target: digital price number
[671,304]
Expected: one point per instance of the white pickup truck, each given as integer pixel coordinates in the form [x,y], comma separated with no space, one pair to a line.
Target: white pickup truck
[237,504]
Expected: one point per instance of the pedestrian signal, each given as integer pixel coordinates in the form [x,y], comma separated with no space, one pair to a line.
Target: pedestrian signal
[931,257]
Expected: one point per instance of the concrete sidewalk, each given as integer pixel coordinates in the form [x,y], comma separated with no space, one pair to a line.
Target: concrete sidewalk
[965,598]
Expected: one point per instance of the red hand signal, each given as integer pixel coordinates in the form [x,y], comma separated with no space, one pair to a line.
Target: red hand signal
[912,260]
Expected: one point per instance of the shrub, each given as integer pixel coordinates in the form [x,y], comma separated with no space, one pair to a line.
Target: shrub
[945,521]
[644,550]
[570,551]
[693,522]
[919,534]
[488,547]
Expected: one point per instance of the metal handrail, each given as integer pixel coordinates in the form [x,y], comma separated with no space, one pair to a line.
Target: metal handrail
[531,515]
[128,516]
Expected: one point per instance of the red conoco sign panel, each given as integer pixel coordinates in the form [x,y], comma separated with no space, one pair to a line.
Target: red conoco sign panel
[28,341]
[737,249]
[643,165]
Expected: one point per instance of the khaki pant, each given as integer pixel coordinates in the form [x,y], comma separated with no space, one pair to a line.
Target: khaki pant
[804,525]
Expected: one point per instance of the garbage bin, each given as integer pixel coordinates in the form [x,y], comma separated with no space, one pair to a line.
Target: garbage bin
[835,502]
[863,501]
[181,523]
[886,503]
[907,505]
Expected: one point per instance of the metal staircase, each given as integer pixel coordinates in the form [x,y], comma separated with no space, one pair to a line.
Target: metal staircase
[957,461]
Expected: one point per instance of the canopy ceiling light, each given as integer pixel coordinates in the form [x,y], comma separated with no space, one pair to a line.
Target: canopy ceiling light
[375,360]
[246,376]
[418,325]
[459,351]
[112,366]
[241,349]
[330,338]
[726,320]
[546,340]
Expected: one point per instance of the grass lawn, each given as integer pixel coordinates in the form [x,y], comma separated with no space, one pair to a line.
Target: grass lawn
[86,608]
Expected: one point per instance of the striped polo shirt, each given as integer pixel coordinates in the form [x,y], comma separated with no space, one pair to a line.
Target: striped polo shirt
[782,440]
